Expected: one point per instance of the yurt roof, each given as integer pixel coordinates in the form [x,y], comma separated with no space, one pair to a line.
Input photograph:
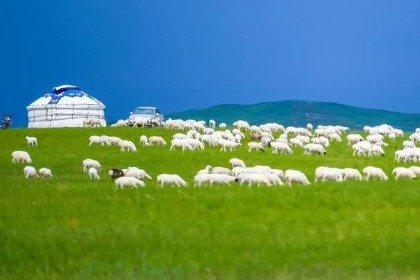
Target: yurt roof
[66,95]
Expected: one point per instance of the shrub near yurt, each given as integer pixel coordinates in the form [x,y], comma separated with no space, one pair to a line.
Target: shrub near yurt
[65,106]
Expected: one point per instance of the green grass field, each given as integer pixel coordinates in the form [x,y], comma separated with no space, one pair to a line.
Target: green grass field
[71,227]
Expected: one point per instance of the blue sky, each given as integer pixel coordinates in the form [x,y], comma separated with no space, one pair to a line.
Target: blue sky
[181,55]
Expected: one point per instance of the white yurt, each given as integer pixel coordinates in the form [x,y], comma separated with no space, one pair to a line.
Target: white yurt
[65,106]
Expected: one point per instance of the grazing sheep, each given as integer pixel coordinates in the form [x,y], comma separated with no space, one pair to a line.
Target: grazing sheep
[144,140]
[128,181]
[136,172]
[228,144]
[45,172]
[297,176]
[115,173]
[93,173]
[328,173]
[32,141]
[403,172]
[237,162]
[255,146]
[202,179]
[29,171]
[254,178]
[157,140]
[284,148]
[314,149]
[180,143]
[353,139]
[88,163]
[171,179]
[127,144]
[21,156]
[351,173]
[374,172]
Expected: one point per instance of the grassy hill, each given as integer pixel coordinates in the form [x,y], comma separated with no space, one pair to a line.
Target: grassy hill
[299,113]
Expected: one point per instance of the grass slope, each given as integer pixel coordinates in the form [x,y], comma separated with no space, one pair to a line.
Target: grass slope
[71,227]
[299,113]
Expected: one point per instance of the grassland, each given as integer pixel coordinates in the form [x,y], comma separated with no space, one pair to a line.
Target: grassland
[73,228]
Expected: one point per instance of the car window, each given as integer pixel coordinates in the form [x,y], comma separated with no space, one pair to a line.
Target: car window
[144,111]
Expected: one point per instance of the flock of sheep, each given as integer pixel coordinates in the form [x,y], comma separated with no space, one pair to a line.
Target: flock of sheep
[198,136]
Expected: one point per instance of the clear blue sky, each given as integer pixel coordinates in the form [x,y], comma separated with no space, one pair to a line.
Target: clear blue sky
[182,55]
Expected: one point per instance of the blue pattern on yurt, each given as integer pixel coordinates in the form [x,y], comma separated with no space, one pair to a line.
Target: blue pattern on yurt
[58,92]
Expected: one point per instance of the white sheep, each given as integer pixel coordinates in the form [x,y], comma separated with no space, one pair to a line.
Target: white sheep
[255,146]
[30,171]
[297,176]
[282,147]
[351,173]
[21,156]
[237,162]
[171,179]
[180,143]
[374,172]
[354,138]
[93,173]
[403,172]
[228,144]
[127,144]
[324,173]
[144,140]
[157,140]
[139,173]
[202,179]
[254,178]
[220,170]
[45,172]
[32,141]
[312,148]
[128,181]
[88,163]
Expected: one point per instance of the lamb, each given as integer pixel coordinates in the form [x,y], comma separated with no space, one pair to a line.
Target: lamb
[45,172]
[93,173]
[88,163]
[237,162]
[30,171]
[157,140]
[171,179]
[372,172]
[297,176]
[403,172]
[255,146]
[128,181]
[21,156]
[115,173]
[32,141]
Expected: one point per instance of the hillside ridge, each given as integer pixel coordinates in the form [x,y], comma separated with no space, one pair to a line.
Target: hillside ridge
[300,112]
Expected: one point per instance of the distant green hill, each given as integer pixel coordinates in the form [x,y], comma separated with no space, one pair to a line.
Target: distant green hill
[299,113]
